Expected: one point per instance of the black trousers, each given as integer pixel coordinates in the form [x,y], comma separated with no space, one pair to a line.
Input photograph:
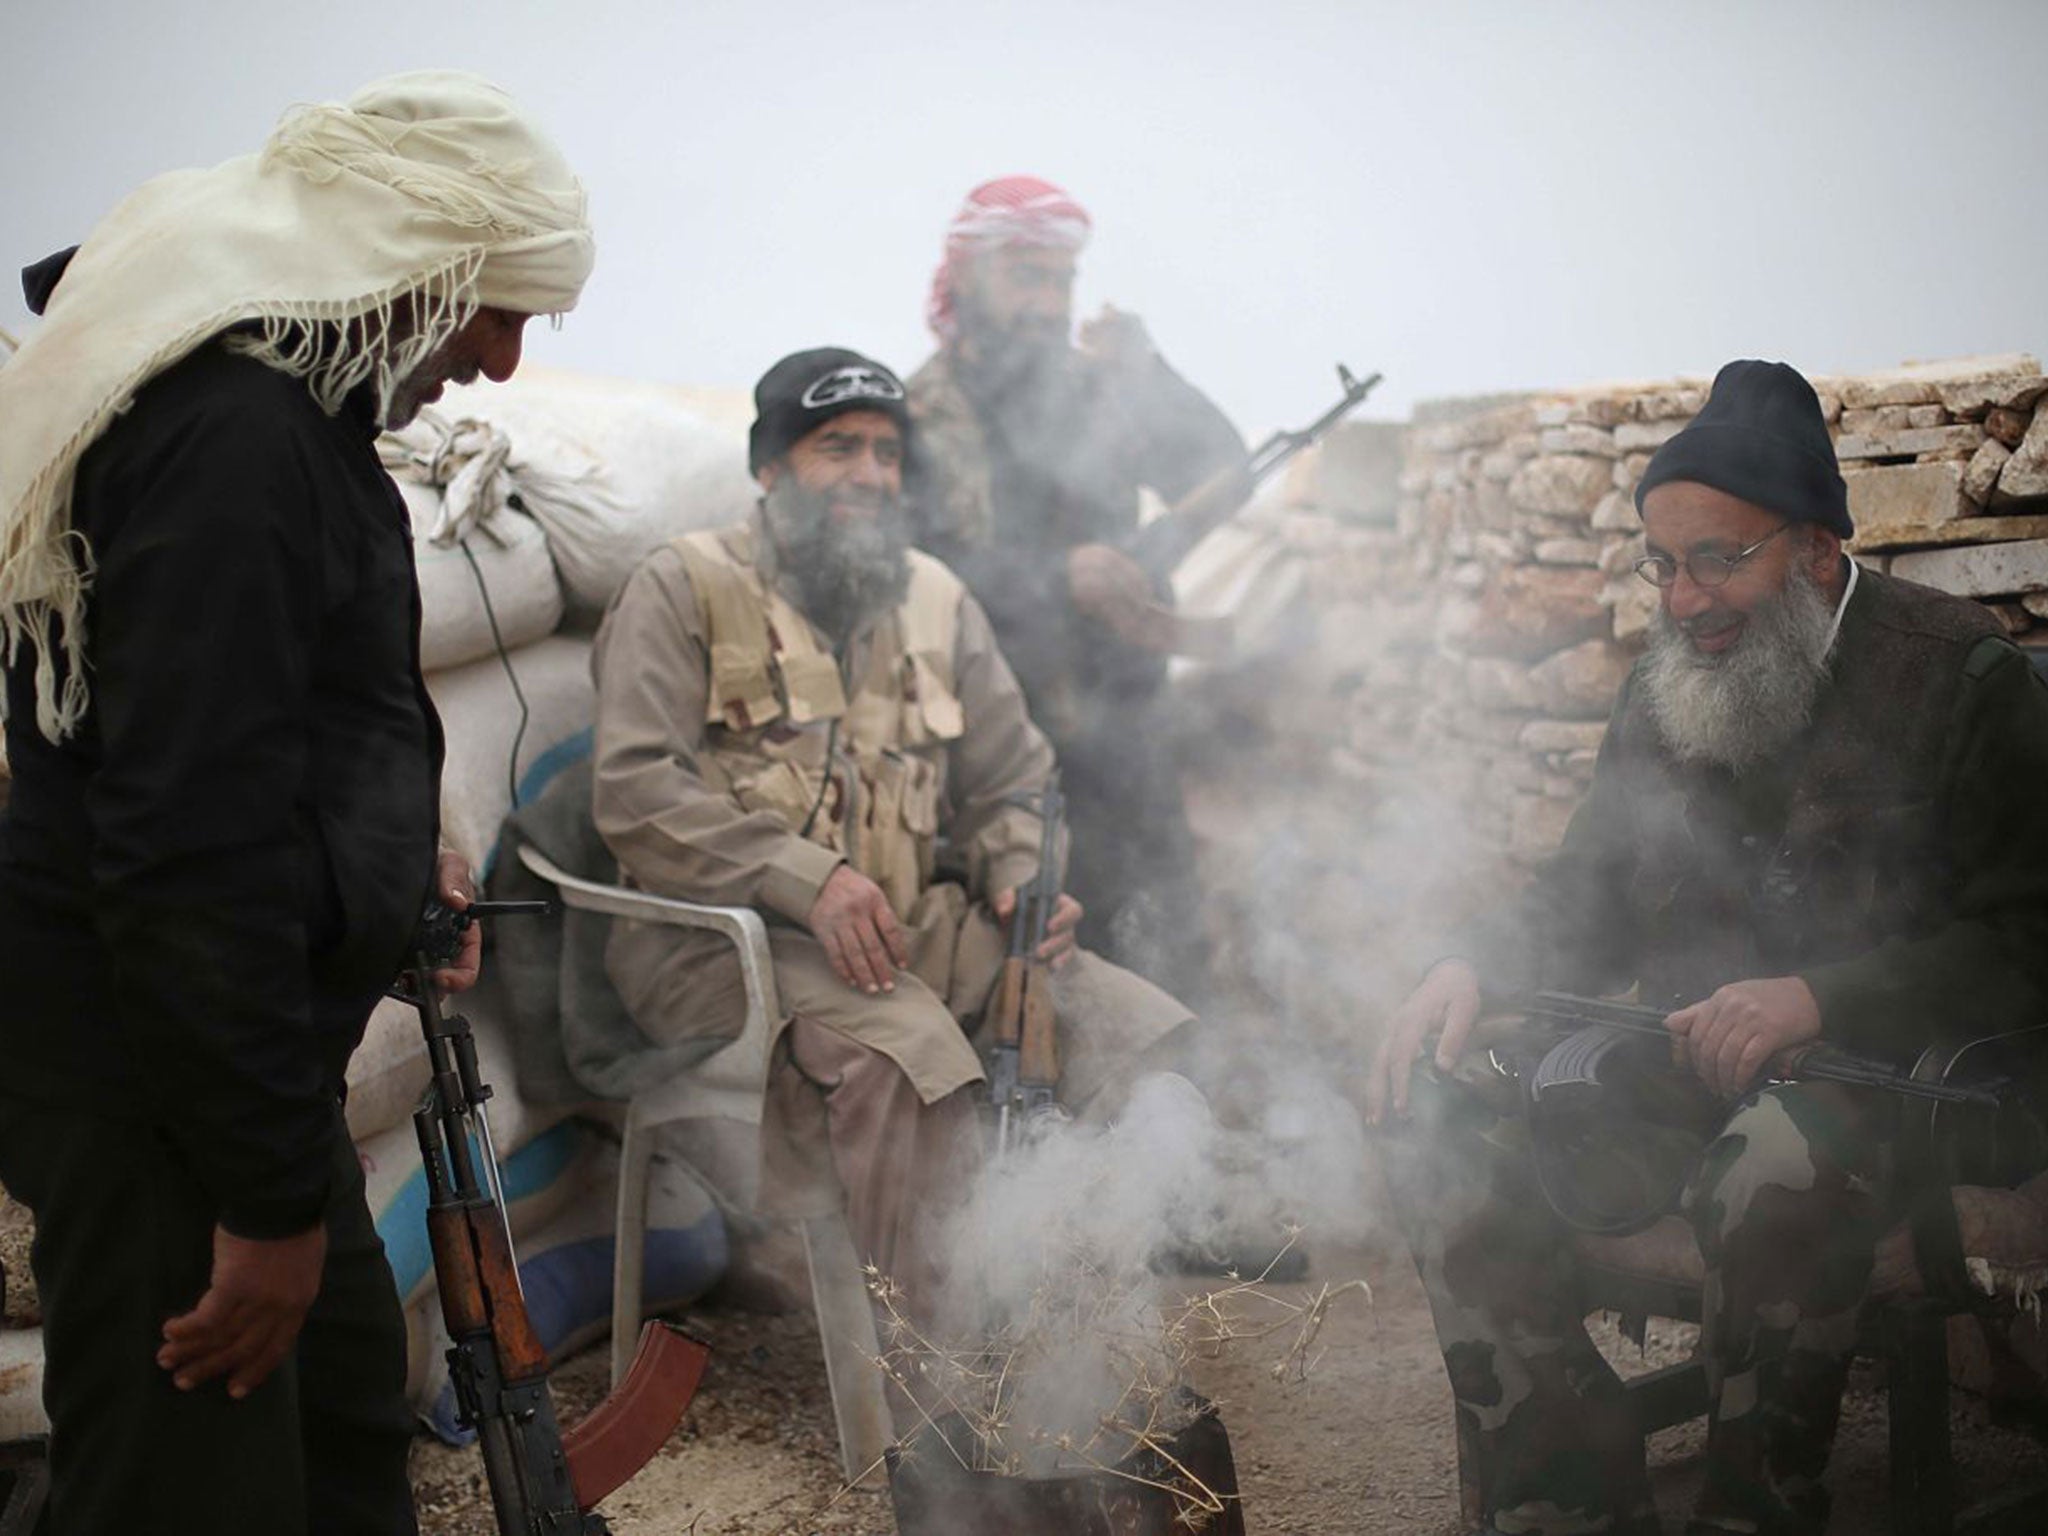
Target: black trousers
[124,1238]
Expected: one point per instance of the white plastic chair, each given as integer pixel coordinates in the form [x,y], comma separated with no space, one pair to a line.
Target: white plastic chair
[730,1084]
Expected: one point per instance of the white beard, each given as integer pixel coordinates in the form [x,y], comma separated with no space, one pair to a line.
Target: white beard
[1744,705]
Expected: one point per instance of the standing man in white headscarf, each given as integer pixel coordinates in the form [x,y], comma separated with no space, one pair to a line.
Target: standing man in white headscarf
[224,816]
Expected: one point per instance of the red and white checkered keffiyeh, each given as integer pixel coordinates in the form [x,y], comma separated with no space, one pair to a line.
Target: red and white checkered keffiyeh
[1011,210]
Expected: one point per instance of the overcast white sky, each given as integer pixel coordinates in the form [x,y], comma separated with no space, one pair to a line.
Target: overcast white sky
[1468,196]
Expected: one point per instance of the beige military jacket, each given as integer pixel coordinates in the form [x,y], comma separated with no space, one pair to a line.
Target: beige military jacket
[668,804]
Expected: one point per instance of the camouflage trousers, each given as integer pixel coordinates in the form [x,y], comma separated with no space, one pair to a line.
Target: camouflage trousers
[1782,1204]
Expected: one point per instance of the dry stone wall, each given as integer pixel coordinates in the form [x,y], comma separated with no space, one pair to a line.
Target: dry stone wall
[1483,623]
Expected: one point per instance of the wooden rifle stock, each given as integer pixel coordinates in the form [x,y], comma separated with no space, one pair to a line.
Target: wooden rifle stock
[1024,1067]
[542,1482]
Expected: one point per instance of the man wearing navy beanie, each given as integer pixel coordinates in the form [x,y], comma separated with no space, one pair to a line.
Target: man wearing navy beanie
[1817,815]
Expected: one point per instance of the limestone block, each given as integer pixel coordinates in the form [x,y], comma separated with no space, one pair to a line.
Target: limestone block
[1628,469]
[1537,826]
[2015,391]
[1620,555]
[1981,475]
[1565,483]
[1907,441]
[1632,436]
[1894,496]
[2008,426]
[1530,612]
[1599,411]
[1891,418]
[1616,513]
[1563,735]
[1568,552]
[1633,603]
[1681,401]
[2026,472]
[1577,439]
[1497,548]
[1580,684]
[1924,383]
[2036,603]
[1984,570]
[1962,530]
[1498,464]
[1490,505]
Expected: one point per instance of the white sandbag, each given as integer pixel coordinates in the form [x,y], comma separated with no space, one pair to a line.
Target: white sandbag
[388,1072]
[610,470]
[540,1176]
[513,579]
[480,717]
[21,1384]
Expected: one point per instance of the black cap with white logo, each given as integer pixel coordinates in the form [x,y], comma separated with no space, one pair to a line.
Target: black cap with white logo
[807,389]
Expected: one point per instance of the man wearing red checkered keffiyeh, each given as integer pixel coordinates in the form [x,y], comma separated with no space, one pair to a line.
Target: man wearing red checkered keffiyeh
[1034,447]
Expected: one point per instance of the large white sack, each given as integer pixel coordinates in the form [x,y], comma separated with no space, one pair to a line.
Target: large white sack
[388,1072]
[513,573]
[480,716]
[21,1384]
[610,470]
[542,1172]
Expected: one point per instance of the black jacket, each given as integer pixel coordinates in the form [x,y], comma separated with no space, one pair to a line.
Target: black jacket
[204,890]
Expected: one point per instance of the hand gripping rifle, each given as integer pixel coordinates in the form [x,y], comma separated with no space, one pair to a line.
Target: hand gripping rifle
[1024,1061]
[1164,542]
[543,1482]
[1594,1022]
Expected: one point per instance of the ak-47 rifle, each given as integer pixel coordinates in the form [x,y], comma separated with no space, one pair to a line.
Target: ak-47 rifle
[543,1482]
[1576,1060]
[1164,542]
[1024,1060]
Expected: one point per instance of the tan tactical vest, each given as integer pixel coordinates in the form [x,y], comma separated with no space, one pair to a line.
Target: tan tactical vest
[772,684]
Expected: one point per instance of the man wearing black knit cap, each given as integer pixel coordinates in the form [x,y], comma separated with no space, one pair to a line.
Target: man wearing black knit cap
[792,713]
[1816,815]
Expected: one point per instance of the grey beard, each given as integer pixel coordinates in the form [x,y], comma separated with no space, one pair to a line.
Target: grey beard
[842,575]
[1747,704]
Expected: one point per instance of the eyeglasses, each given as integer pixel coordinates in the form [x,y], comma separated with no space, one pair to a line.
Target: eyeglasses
[1705,570]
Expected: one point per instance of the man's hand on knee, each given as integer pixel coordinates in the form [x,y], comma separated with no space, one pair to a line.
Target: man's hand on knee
[862,939]
[254,1306]
[1447,1000]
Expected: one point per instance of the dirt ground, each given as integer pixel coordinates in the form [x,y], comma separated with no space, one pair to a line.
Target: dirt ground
[1363,1445]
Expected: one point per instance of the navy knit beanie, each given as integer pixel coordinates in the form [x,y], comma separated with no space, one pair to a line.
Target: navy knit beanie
[807,389]
[1761,437]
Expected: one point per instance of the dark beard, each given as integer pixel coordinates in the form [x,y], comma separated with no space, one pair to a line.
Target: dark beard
[1004,360]
[842,575]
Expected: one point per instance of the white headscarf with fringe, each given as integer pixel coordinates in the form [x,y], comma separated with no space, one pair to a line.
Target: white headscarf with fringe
[428,184]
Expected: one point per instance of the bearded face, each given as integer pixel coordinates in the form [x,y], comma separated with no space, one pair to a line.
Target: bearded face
[843,550]
[1743,705]
[1015,311]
